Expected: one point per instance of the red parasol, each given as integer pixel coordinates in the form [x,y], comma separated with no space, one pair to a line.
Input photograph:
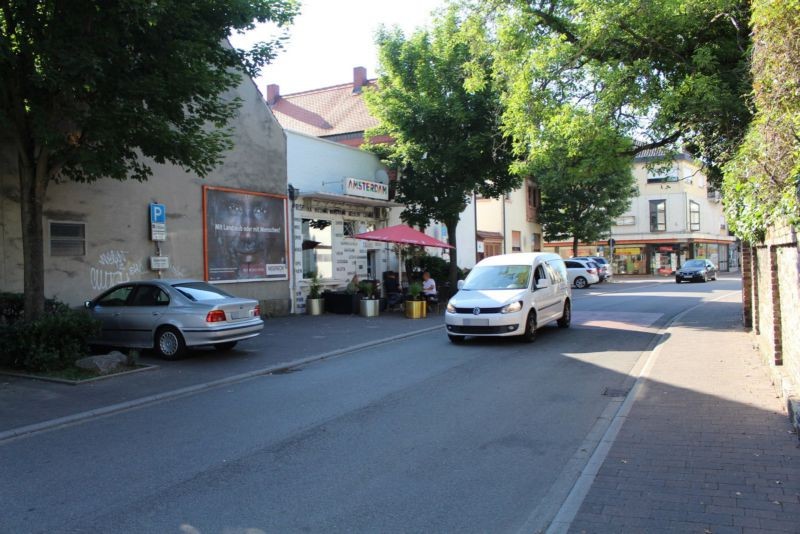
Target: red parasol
[404,235]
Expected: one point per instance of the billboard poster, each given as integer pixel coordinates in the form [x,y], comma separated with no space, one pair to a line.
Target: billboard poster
[245,235]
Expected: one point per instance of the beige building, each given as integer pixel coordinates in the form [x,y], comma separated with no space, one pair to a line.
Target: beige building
[509,224]
[229,228]
[674,217]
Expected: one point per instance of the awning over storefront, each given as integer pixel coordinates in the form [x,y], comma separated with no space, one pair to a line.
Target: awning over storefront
[347,199]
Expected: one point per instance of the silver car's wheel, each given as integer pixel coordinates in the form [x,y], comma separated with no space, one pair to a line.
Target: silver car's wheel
[580,282]
[169,343]
[566,317]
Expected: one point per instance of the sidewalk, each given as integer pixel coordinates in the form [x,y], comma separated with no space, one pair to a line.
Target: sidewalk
[706,447]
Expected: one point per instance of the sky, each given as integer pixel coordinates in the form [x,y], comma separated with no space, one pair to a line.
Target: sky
[330,37]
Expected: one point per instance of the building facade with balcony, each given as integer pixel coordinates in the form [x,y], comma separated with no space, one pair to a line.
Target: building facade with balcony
[674,217]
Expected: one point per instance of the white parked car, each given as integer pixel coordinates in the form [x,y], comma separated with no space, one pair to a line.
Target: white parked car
[510,295]
[582,273]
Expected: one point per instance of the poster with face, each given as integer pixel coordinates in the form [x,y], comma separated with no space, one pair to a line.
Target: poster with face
[245,235]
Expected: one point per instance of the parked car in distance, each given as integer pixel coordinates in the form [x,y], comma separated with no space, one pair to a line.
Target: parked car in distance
[696,270]
[582,273]
[170,315]
[605,267]
[510,295]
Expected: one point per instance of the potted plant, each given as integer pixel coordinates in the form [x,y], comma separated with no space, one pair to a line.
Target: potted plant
[415,303]
[314,302]
[370,304]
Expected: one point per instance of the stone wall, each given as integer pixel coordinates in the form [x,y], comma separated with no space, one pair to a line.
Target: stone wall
[771,291]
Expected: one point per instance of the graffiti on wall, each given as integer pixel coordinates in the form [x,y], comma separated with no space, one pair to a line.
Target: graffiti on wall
[113,267]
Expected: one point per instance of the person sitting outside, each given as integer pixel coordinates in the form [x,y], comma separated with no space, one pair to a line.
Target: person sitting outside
[428,286]
[393,294]
[352,286]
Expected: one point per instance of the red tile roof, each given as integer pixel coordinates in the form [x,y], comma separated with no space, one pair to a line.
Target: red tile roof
[325,112]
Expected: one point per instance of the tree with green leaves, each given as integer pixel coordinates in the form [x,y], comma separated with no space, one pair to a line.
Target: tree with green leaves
[447,141]
[580,166]
[90,89]
[669,73]
[762,183]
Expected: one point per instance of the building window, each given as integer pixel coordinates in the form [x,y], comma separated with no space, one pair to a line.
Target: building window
[536,241]
[349,228]
[533,200]
[626,220]
[658,215]
[317,248]
[67,239]
[694,216]
[661,175]
[516,241]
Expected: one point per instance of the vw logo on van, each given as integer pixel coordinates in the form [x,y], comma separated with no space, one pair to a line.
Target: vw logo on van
[476,311]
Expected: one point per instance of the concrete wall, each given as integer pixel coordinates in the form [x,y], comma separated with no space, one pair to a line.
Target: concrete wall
[118,245]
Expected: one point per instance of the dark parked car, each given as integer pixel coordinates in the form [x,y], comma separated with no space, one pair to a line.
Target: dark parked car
[170,315]
[697,270]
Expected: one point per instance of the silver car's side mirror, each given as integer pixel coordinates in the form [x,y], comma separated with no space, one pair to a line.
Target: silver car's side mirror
[543,283]
[87,304]
[460,284]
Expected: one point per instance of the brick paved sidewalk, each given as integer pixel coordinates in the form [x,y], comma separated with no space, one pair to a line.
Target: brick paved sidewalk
[707,446]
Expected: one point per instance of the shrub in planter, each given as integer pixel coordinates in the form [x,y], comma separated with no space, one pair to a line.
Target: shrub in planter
[50,343]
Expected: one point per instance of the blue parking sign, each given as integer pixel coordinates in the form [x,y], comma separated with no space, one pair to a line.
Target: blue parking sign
[158,213]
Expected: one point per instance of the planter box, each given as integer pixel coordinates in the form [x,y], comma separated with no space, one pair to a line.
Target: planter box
[315,306]
[370,307]
[340,302]
[415,309]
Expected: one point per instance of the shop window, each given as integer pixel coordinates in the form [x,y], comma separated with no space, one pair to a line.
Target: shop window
[658,215]
[516,241]
[694,216]
[317,248]
[67,239]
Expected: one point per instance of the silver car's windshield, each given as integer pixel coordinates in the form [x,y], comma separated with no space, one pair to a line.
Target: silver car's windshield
[498,277]
[198,291]
[691,264]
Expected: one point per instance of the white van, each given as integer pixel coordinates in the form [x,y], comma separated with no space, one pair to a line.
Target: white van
[510,295]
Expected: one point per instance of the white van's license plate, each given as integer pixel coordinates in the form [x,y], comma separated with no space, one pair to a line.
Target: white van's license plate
[476,322]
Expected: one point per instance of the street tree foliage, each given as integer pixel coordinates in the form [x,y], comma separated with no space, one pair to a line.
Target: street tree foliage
[447,142]
[670,73]
[90,89]
[585,181]
[762,182]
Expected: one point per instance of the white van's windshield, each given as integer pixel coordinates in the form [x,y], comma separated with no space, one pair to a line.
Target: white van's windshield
[498,277]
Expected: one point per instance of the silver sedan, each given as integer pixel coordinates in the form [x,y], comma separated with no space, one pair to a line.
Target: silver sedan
[170,315]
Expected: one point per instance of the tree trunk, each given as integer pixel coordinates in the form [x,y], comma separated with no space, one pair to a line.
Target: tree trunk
[574,246]
[32,185]
[452,277]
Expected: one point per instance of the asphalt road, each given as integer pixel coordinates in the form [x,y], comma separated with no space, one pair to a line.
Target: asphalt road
[419,435]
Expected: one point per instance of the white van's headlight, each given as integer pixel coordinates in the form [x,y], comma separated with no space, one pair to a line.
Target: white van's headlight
[450,308]
[511,308]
